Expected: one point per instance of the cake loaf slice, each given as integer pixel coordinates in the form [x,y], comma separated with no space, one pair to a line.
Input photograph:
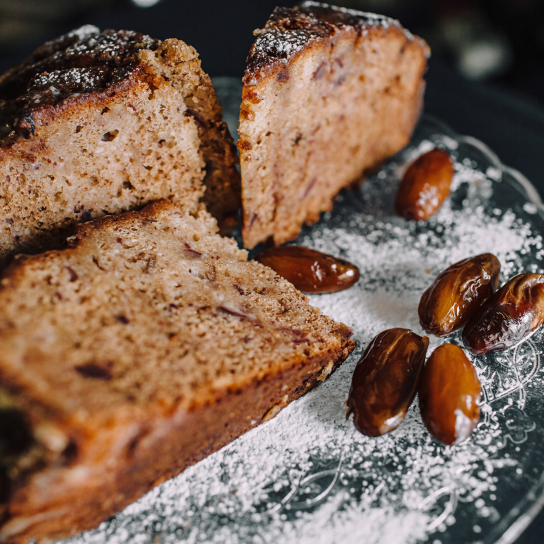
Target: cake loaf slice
[147,345]
[96,123]
[328,95]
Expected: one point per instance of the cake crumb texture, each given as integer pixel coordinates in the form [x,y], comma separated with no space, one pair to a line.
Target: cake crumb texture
[148,344]
[95,123]
[329,94]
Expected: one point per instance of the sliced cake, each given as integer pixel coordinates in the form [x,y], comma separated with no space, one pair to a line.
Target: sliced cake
[148,344]
[329,94]
[95,123]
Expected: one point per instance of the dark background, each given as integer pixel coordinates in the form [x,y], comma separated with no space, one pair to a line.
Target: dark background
[485,78]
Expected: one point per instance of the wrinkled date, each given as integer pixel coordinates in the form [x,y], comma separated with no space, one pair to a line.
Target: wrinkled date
[449,395]
[425,185]
[385,381]
[508,317]
[310,271]
[457,293]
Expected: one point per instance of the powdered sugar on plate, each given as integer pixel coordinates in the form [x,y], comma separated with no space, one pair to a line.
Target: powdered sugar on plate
[308,476]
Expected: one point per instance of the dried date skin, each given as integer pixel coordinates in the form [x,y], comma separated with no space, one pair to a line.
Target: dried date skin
[425,185]
[457,293]
[513,313]
[310,271]
[385,381]
[449,395]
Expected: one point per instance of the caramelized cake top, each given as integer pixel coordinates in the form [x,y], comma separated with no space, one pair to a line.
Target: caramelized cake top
[290,30]
[80,62]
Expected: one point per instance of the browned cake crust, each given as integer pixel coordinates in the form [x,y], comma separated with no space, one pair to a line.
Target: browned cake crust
[146,346]
[96,123]
[329,94]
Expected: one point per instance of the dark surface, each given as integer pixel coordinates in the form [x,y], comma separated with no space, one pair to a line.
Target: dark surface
[512,126]
[222,33]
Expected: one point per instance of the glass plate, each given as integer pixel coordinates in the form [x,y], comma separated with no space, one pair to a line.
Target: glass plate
[308,475]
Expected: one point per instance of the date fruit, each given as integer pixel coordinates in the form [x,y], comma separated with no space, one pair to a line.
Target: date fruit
[425,185]
[457,293]
[514,312]
[385,381]
[449,395]
[310,271]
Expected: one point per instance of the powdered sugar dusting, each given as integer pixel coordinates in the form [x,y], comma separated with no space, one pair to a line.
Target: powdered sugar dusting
[84,32]
[291,30]
[308,476]
[82,61]
[281,43]
[112,54]
[367,18]
[77,79]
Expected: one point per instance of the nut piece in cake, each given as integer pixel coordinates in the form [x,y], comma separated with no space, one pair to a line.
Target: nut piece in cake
[147,345]
[329,94]
[96,123]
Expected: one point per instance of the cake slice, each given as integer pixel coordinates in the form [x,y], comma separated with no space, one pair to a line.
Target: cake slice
[95,123]
[329,94]
[148,344]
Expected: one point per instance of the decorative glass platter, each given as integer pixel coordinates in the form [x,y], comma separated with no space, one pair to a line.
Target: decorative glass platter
[308,475]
